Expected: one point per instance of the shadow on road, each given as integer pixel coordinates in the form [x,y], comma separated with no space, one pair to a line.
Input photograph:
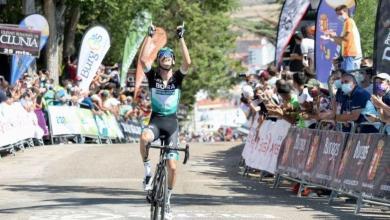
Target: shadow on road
[261,193]
[221,166]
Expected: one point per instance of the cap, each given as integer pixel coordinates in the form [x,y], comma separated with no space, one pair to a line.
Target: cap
[247,91]
[384,76]
[264,74]
[312,83]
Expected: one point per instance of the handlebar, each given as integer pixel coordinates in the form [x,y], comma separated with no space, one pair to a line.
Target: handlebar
[186,150]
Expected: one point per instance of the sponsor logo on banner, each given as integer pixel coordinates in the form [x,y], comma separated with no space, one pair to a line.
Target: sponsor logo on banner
[296,149]
[329,155]
[19,41]
[94,47]
[263,145]
[20,63]
[382,38]
[290,17]
[325,49]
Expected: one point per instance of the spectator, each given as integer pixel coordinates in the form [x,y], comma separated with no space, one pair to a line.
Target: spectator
[126,108]
[381,99]
[309,73]
[264,77]
[110,103]
[114,75]
[304,98]
[307,47]
[290,107]
[296,56]
[349,40]
[274,75]
[72,68]
[365,76]
[353,104]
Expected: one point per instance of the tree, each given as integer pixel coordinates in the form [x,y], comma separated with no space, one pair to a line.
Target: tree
[207,24]
[365,18]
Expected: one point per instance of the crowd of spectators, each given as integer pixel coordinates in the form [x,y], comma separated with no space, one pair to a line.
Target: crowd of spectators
[37,91]
[353,95]
[358,96]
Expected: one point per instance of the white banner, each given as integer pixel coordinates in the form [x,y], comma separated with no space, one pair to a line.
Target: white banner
[16,124]
[64,120]
[262,149]
[94,47]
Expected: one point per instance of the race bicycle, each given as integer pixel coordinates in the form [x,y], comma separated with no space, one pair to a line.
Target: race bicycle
[157,196]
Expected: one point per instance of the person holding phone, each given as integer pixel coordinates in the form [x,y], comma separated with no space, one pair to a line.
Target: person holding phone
[381,97]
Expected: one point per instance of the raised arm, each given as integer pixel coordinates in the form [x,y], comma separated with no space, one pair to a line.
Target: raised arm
[146,50]
[184,50]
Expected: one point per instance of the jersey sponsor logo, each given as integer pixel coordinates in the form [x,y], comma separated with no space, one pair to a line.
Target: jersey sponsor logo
[169,86]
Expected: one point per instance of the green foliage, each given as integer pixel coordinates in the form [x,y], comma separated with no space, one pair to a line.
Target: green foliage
[207,33]
[365,17]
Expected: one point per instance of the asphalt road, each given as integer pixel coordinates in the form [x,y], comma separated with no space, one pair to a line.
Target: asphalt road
[103,182]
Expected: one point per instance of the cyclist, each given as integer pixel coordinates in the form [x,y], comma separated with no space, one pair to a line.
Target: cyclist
[165,90]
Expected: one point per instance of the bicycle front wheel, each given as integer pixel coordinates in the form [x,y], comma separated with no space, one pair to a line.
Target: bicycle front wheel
[161,194]
[160,189]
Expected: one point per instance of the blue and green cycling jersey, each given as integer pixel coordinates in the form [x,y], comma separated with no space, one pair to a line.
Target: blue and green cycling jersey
[165,98]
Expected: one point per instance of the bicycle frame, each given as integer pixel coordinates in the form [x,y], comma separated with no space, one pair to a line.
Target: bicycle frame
[157,196]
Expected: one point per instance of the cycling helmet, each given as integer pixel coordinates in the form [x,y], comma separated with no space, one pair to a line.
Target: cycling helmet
[165,52]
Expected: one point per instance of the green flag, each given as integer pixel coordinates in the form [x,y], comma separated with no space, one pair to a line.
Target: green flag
[136,34]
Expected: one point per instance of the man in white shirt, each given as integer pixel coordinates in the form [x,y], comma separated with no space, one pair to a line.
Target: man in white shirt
[307,46]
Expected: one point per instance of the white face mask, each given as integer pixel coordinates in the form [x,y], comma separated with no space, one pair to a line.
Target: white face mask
[341,18]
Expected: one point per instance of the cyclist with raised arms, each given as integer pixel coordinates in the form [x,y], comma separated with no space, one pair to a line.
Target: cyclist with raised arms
[165,91]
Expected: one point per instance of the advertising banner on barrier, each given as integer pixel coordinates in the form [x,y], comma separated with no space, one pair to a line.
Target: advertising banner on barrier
[263,147]
[88,125]
[330,151]
[64,120]
[250,143]
[295,151]
[132,129]
[382,38]
[325,49]
[20,63]
[375,177]
[291,14]
[114,130]
[135,35]
[16,124]
[69,120]
[365,165]
[94,47]
[19,41]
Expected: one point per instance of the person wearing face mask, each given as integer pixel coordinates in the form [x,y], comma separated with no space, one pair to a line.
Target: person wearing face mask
[352,106]
[381,99]
[365,75]
[349,40]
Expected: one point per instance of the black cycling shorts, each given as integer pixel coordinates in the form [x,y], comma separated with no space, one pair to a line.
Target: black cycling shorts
[167,126]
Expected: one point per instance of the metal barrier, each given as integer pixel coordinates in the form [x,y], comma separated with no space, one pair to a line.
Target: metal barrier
[361,197]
